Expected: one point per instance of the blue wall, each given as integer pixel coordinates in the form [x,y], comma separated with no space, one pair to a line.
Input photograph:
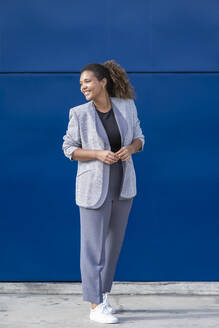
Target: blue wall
[170,50]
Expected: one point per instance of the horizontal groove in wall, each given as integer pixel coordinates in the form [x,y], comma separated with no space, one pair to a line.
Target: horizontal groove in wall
[166,72]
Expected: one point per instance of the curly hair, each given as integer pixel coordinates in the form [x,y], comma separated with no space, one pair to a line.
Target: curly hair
[118,84]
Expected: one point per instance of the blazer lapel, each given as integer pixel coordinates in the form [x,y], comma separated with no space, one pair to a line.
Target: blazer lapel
[121,122]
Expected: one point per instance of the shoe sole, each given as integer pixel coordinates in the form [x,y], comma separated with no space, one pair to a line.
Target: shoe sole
[104,321]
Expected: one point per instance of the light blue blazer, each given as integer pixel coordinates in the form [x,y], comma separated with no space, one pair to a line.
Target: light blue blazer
[85,130]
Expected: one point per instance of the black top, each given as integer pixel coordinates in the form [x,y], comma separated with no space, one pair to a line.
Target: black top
[111,127]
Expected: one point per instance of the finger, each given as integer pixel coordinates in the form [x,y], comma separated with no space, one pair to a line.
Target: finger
[114,156]
[123,153]
[107,161]
[125,157]
[111,157]
[120,150]
[111,160]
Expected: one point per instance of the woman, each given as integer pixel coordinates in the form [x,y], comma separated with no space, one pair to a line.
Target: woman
[102,135]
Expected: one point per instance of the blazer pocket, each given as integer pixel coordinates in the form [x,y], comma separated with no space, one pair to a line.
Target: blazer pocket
[82,172]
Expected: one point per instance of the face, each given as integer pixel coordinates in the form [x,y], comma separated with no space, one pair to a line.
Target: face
[90,86]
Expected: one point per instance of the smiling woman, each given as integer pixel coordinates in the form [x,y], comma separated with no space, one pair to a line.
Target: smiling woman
[111,75]
[102,135]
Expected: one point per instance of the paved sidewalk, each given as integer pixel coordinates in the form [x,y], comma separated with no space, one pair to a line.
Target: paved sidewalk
[160,304]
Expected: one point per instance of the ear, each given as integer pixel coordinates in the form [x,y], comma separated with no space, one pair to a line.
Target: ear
[104,82]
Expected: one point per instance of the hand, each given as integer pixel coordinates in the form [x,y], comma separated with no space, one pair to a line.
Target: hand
[124,153]
[107,156]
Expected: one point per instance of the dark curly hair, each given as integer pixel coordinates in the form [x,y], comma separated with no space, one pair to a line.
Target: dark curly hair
[118,84]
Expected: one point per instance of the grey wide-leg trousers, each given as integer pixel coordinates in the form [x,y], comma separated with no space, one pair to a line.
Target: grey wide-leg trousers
[102,234]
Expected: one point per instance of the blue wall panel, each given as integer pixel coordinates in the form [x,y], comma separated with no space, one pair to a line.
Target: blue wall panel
[155,35]
[175,215]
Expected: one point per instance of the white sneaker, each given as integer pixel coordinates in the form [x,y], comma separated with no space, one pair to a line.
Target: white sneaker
[106,301]
[101,314]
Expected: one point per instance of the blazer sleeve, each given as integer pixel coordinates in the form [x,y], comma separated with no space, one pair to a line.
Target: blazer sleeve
[137,131]
[72,138]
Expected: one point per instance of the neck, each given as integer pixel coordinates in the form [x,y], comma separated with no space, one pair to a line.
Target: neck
[103,103]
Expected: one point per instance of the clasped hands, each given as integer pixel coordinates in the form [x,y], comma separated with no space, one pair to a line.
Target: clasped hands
[109,157]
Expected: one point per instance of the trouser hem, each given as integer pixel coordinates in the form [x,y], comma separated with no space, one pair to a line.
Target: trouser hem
[93,299]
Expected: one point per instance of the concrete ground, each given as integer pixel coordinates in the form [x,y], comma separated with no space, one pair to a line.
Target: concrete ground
[143,304]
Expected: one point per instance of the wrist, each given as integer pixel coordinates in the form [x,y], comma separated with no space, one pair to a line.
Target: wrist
[96,152]
[130,148]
